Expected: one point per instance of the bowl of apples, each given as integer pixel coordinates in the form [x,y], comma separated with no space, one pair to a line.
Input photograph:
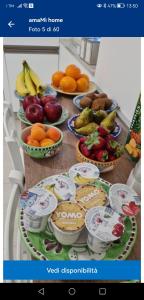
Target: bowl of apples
[101,149]
[41,140]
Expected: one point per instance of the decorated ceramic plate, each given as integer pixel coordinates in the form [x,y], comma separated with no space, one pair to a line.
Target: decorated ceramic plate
[44,246]
[48,91]
[76,102]
[70,123]
[92,89]
[23,119]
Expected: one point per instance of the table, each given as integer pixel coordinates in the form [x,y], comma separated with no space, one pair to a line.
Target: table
[36,170]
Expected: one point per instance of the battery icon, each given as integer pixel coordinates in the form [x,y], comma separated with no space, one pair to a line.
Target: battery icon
[31,5]
[120,5]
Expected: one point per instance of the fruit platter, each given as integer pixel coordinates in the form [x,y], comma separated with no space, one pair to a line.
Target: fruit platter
[69,217]
[72,82]
[88,122]
[96,101]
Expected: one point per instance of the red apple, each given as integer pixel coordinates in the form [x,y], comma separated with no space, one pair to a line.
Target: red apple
[34,113]
[48,98]
[28,100]
[53,111]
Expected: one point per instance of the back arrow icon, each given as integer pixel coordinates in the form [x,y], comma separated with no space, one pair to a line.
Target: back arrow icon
[41,291]
[11,24]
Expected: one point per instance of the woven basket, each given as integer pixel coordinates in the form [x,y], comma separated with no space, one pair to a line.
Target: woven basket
[102,166]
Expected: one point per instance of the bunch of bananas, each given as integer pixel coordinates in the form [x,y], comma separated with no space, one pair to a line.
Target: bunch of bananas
[28,82]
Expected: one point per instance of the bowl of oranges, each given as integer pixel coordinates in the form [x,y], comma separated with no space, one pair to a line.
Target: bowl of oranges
[72,81]
[41,141]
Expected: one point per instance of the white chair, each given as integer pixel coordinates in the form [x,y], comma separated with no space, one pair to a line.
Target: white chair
[11,138]
[14,249]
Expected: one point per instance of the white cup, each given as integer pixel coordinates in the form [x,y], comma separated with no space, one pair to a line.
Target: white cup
[65,237]
[35,224]
[96,245]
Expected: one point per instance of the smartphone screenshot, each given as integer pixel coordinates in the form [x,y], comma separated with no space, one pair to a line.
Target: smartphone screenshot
[71,111]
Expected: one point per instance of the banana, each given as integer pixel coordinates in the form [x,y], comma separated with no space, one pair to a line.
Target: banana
[51,189]
[35,79]
[81,180]
[20,85]
[29,84]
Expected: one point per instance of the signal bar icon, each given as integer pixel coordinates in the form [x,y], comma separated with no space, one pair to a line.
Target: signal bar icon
[19,6]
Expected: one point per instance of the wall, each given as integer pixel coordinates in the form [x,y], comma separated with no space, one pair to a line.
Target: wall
[118,72]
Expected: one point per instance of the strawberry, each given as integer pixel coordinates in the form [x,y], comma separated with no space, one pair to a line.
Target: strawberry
[82,140]
[112,145]
[134,207]
[99,143]
[109,137]
[102,155]
[111,157]
[95,142]
[84,150]
[118,230]
[102,131]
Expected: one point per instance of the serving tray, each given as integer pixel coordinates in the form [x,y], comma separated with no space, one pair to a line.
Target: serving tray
[44,246]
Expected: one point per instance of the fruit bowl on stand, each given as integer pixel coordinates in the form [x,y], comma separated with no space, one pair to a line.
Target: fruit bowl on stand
[46,148]
[102,166]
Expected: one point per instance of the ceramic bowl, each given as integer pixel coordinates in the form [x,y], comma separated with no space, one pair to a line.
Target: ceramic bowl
[40,152]
[102,166]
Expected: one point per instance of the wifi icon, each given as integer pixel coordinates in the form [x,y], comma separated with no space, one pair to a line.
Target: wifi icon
[25,5]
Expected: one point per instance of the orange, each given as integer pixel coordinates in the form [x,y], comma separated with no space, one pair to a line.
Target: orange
[82,85]
[38,133]
[33,142]
[46,142]
[73,71]
[53,134]
[28,137]
[39,125]
[68,84]
[85,76]
[56,78]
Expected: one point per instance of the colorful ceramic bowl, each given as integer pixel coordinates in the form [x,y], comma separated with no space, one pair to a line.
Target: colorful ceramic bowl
[102,166]
[40,152]
[70,123]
